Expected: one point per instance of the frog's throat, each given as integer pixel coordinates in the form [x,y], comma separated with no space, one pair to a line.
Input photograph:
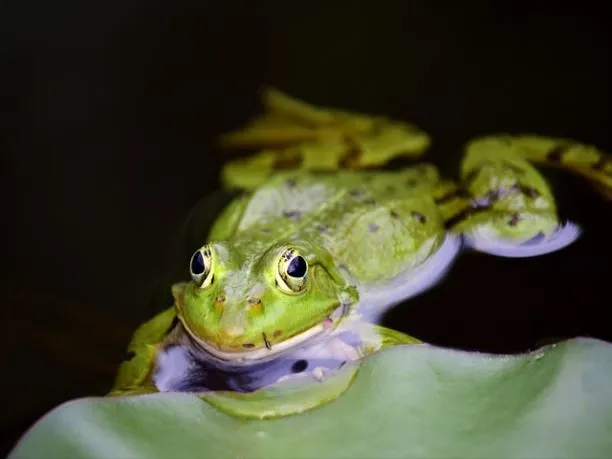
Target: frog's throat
[275,350]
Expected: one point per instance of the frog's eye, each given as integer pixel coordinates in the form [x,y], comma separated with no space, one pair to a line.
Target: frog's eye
[292,272]
[200,267]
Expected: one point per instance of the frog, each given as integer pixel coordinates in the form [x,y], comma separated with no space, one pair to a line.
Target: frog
[322,240]
[293,267]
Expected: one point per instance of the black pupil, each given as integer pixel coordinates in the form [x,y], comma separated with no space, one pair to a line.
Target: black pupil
[297,267]
[197,264]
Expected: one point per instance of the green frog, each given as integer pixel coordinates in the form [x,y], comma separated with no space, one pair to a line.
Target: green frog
[323,240]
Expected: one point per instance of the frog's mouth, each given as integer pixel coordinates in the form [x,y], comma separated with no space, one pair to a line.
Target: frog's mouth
[271,351]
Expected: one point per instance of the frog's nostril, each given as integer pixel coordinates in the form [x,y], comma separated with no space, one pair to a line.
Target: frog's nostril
[219,302]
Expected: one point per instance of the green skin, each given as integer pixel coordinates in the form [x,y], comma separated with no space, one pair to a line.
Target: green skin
[359,232]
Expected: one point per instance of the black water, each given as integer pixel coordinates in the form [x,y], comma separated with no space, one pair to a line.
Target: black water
[109,111]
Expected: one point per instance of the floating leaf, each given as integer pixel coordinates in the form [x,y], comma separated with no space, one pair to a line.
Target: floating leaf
[407,401]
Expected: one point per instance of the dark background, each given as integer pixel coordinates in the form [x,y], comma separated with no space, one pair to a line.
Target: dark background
[108,115]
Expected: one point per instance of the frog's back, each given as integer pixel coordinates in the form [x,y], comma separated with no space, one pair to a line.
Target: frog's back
[374,224]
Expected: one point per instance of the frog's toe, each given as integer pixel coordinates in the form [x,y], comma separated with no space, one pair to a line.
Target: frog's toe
[484,240]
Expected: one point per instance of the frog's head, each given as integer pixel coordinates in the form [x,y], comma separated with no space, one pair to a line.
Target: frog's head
[249,305]
[528,233]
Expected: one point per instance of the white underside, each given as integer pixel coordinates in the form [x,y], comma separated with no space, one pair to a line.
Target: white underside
[484,239]
[173,366]
[376,300]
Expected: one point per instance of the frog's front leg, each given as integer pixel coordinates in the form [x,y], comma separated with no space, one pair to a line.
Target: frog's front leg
[508,208]
[135,375]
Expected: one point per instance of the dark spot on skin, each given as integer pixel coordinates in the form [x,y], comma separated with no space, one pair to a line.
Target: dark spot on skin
[514,219]
[321,228]
[513,168]
[265,231]
[419,217]
[370,202]
[556,154]
[530,191]
[459,217]
[373,227]
[457,193]
[411,182]
[487,200]
[292,214]
[253,301]
[356,192]
[290,183]
[351,156]
[266,341]
[600,164]
[390,189]
[129,356]
[471,176]
[277,333]
[473,173]
[515,187]
[394,214]
[299,366]
[291,161]
[248,345]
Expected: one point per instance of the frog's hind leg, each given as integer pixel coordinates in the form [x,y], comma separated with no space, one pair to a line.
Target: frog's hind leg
[298,136]
[509,209]
[584,160]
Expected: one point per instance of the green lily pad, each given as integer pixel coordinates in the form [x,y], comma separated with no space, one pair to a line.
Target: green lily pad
[407,401]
